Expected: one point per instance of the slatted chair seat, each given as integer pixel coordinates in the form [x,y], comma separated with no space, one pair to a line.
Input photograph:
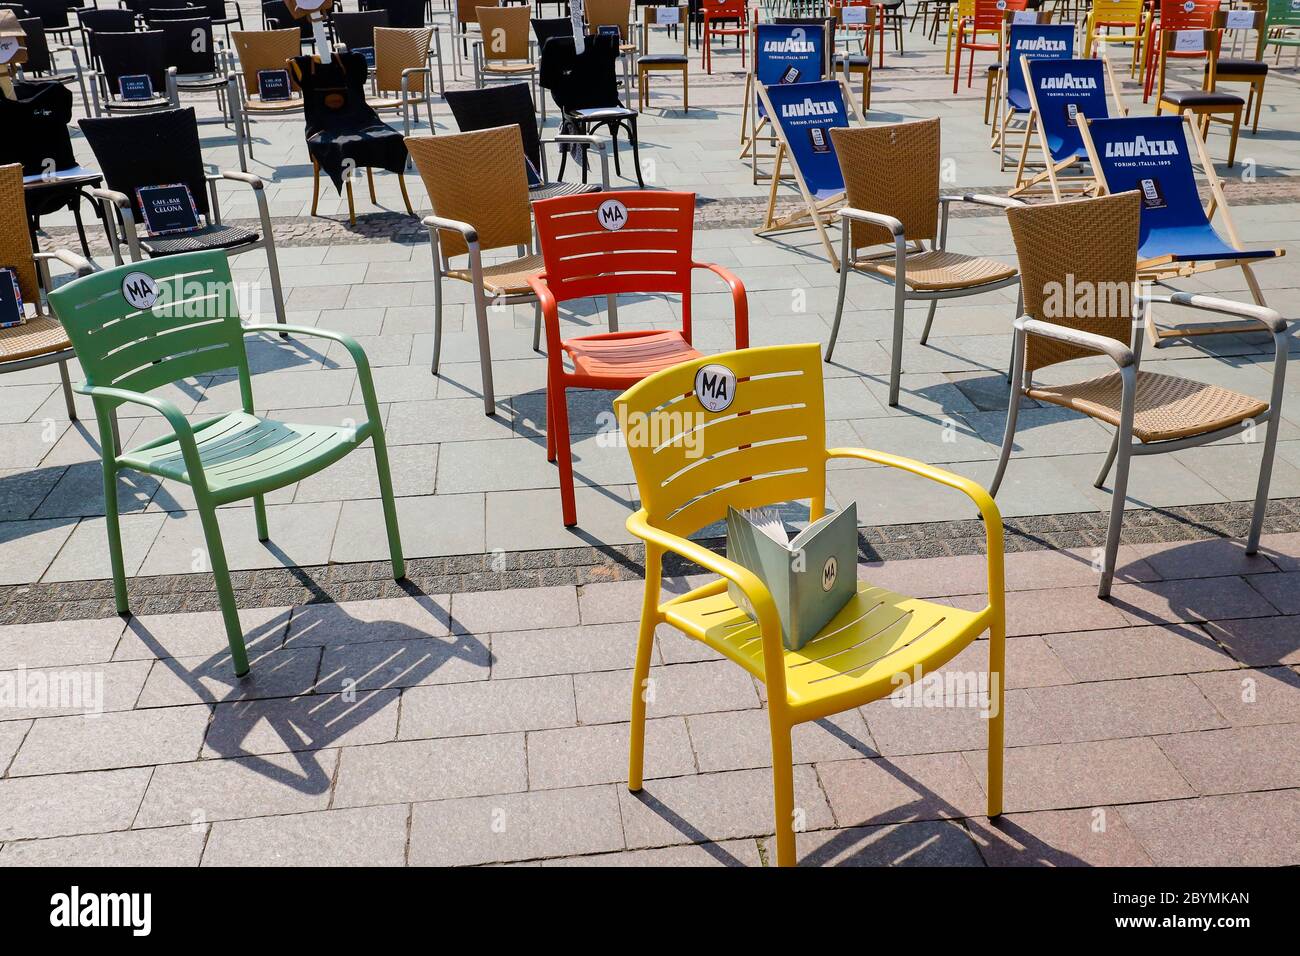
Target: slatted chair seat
[242,453]
[216,236]
[626,359]
[38,336]
[941,269]
[876,636]
[1165,407]
[505,278]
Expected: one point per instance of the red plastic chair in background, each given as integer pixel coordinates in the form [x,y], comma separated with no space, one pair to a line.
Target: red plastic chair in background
[715,12]
[988,19]
[600,244]
[1174,15]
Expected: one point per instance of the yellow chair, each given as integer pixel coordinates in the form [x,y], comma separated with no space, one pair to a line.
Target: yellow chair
[767,446]
[1124,15]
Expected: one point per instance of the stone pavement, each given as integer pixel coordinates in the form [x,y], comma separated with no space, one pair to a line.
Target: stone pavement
[476,714]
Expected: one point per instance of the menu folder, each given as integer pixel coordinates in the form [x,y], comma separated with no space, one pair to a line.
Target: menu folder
[810,577]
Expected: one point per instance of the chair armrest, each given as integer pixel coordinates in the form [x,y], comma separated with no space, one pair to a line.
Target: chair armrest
[584,139]
[1269,318]
[875,218]
[248,179]
[983,199]
[973,490]
[1116,350]
[120,200]
[358,354]
[181,427]
[760,598]
[78,264]
[739,301]
[451,225]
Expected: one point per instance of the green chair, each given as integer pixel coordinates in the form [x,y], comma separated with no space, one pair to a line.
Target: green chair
[1283,18]
[151,323]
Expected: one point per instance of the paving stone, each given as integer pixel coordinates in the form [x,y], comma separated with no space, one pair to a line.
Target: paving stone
[12,733]
[740,740]
[956,725]
[58,643]
[352,622]
[715,806]
[431,770]
[1030,662]
[675,689]
[726,853]
[582,756]
[1246,829]
[164,846]
[676,648]
[1089,774]
[929,577]
[1238,759]
[430,524]
[313,722]
[925,843]
[425,660]
[231,789]
[1211,557]
[494,706]
[131,738]
[1248,697]
[1068,609]
[1257,642]
[66,804]
[1139,652]
[564,650]
[1281,590]
[187,635]
[1207,599]
[80,689]
[1072,567]
[187,680]
[901,789]
[1086,837]
[368,836]
[523,826]
[1141,707]
[482,612]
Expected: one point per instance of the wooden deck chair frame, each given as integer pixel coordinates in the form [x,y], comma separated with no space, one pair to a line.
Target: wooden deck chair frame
[816,213]
[767,446]
[1049,178]
[1004,115]
[751,126]
[1165,268]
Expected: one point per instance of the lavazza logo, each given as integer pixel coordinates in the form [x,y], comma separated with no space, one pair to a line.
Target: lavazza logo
[1040,45]
[1068,81]
[77,909]
[789,45]
[810,108]
[1143,147]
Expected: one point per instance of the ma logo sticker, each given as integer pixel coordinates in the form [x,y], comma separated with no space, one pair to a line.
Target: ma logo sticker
[612,215]
[830,570]
[140,290]
[715,387]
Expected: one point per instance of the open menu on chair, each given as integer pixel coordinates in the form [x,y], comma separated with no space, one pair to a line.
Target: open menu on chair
[810,576]
[11,299]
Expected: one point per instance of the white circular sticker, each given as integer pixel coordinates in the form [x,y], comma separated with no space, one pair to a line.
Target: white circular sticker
[715,387]
[612,215]
[829,572]
[140,290]
[1189,6]
[1002,4]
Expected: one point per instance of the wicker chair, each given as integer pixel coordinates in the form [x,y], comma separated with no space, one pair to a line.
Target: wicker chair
[903,212]
[1092,245]
[42,60]
[464,23]
[264,50]
[647,62]
[504,52]
[151,149]
[402,55]
[41,339]
[92,21]
[194,67]
[479,191]
[127,54]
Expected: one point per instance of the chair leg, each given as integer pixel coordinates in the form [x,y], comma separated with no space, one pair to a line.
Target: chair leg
[996,702]
[370,179]
[896,350]
[1232,143]
[641,672]
[225,593]
[551,416]
[563,452]
[401,183]
[783,792]
[1100,480]
[686,96]
[277,290]
[67,391]
[1119,495]
[390,506]
[484,351]
[537,327]
[112,527]
[839,305]
[611,313]
[259,517]
[1013,412]
[929,321]
[352,208]
[315,185]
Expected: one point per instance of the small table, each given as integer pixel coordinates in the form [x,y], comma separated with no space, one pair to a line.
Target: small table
[61,191]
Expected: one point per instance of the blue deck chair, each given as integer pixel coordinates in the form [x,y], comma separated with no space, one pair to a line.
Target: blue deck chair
[1025,41]
[1177,238]
[805,114]
[1059,92]
[783,53]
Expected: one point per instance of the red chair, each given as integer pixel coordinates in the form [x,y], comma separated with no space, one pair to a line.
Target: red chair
[1174,15]
[988,19]
[599,244]
[715,12]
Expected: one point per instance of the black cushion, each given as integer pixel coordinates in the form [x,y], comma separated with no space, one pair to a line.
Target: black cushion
[994,67]
[1241,67]
[209,237]
[1201,98]
[854,59]
[669,58]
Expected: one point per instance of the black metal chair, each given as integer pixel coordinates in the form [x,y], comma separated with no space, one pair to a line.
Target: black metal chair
[92,21]
[41,62]
[153,149]
[585,88]
[511,104]
[406,14]
[194,65]
[356,29]
[130,54]
[276,16]
[550,27]
[53,15]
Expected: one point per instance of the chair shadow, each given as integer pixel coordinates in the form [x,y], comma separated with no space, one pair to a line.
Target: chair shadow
[317,711]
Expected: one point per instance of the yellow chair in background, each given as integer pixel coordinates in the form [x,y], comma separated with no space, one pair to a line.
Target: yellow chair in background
[765,444]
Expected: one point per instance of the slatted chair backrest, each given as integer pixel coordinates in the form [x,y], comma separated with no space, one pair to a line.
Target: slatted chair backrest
[398,49]
[15,236]
[356,29]
[148,324]
[478,178]
[501,104]
[989,15]
[767,446]
[189,45]
[1127,13]
[1282,14]
[265,50]
[867,155]
[1078,268]
[617,243]
[149,149]
[126,54]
